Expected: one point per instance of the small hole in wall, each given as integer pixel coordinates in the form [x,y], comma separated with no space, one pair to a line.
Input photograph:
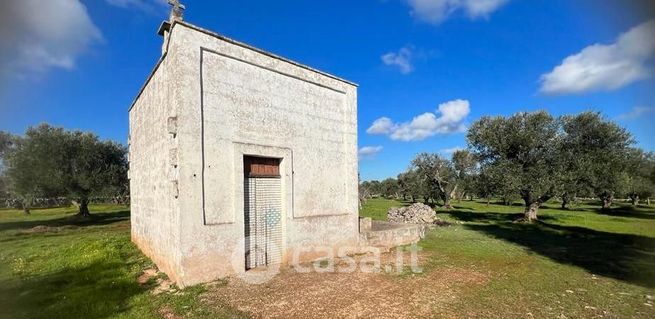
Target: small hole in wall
[194,175]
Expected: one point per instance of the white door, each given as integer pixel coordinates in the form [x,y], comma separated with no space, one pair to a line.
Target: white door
[263,220]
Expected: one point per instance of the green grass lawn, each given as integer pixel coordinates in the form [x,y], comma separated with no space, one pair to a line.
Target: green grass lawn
[85,268]
[576,263]
[573,263]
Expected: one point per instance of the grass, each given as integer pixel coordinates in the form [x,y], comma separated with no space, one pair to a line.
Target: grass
[377,208]
[573,263]
[577,263]
[81,268]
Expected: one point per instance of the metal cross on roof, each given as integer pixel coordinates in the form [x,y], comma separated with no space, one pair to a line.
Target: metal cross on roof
[177,10]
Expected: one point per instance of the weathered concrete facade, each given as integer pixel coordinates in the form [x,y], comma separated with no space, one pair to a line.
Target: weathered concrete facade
[211,101]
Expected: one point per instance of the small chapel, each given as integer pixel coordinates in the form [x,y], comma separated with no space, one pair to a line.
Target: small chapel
[238,156]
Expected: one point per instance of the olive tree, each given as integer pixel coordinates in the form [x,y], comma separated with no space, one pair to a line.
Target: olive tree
[639,177]
[92,167]
[411,184]
[404,184]
[465,166]
[374,187]
[526,146]
[498,179]
[595,153]
[389,187]
[7,141]
[32,164]
[51,161]
[439,173]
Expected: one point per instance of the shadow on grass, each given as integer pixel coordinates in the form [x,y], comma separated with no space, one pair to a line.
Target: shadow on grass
[99,290]
[625,211]
[469,215]
[621,256]
[73,220]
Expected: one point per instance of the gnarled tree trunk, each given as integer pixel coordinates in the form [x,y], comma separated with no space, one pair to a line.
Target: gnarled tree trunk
[447,197]
[27,204]
[635,199]
[566,199]
[84,207]
[607,201]
[531,211]
[446,203]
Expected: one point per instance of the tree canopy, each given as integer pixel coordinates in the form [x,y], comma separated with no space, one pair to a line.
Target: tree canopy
[51,161]
[534,157]
[523,147]
[595,152]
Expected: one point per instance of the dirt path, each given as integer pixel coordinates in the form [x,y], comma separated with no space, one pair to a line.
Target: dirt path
[347,295]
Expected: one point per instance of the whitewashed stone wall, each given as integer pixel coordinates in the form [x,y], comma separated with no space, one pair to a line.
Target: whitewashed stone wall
[231,100]
[155,215]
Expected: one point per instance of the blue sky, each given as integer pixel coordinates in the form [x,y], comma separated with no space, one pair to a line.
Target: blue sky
[430,67]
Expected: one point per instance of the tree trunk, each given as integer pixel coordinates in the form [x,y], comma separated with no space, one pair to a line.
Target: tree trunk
[449,196]
[531,211]
[635,199]
[607,202]
[26,207]
[488,201]
[565,201]
[446,203]
[84,207]
[648,201]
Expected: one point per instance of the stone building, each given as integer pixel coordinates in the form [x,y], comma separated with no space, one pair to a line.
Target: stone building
[238,157]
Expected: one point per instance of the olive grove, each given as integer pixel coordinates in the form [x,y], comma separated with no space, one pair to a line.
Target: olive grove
[533,157]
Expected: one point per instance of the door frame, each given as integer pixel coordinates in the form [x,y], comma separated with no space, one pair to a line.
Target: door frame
[285,155]
[258,170]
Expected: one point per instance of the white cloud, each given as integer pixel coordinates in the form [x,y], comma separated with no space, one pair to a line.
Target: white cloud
[148,6]
[382,125]
[450,151]
[437,11]
[605,66]
[369,151]
[401,59]
[40,35]
[636,112]
[450,119]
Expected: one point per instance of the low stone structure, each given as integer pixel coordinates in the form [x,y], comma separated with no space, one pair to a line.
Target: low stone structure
[386,235]
[365,224]
[415,214]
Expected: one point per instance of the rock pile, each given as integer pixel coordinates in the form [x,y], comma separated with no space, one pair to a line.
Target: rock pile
[415,214]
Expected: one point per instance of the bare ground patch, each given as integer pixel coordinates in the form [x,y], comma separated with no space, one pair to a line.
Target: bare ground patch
[47,229]
[347,295]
